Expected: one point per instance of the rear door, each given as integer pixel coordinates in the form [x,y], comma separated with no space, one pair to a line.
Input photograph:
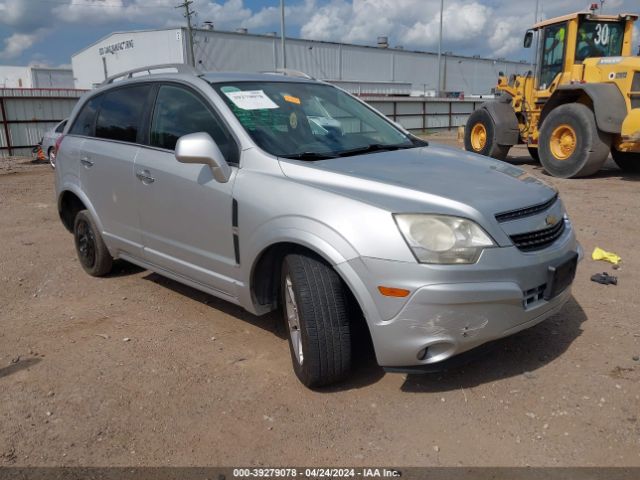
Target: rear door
[185,214]
[107,165]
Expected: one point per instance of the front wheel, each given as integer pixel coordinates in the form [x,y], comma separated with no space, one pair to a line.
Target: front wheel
[570,144]
[627,161]
[480,136]
[314,304]
[51,155]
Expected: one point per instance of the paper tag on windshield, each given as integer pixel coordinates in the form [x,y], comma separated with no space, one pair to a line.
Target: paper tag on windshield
[251,100]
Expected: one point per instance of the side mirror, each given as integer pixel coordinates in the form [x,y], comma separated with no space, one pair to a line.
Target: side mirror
[528,39]
[201,148]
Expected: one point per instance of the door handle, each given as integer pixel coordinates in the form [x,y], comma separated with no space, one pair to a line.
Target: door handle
[86,162]
[145,177]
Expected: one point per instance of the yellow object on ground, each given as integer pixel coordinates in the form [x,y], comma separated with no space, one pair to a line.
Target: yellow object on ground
[600,254]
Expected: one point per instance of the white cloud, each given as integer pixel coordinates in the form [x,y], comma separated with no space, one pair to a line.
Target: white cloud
[485,27]
[17,43]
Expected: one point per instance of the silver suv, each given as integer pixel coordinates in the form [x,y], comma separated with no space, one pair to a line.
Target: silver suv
[280,192]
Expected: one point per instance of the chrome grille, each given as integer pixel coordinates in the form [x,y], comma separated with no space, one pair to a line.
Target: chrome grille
[525,212]
[538,239]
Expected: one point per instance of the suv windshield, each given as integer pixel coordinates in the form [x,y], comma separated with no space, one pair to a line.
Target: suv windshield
[310,121]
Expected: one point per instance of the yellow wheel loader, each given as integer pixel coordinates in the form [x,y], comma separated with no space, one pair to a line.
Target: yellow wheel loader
[582,103]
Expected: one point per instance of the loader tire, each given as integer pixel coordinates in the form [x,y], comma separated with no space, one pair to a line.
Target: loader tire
[570,143]
[480,136]
[627,161]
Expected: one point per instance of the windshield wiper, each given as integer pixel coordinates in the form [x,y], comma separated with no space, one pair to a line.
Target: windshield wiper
[374,147]
[309,156]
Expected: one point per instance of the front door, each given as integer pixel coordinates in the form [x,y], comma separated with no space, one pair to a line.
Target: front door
[552,54]
[185,214]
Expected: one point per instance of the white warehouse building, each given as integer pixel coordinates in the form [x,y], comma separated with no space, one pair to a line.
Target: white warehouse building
[357,68]
[35,77]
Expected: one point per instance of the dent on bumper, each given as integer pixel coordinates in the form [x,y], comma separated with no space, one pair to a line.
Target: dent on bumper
[450,317]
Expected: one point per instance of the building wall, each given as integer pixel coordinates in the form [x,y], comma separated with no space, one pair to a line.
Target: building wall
[219,51]
[230,51]
[120,52]
[15,77]
[51,78]
[30,112]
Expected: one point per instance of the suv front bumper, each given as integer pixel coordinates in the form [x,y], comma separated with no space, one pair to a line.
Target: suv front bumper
[453,309]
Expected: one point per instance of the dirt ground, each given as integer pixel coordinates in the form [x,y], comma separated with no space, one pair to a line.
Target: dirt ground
[135,369]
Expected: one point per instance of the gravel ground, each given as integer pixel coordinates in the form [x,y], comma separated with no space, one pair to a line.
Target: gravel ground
[135,369]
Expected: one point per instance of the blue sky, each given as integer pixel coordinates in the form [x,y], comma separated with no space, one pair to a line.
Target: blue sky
[50,31]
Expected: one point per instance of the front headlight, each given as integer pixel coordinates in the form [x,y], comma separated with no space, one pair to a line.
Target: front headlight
[443,239]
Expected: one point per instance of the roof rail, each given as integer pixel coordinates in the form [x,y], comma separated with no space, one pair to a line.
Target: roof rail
[289,73]
[179,67]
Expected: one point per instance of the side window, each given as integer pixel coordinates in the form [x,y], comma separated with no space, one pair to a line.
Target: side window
[179,112]
[86,119]
[121,112]
[552,53]
[60,127]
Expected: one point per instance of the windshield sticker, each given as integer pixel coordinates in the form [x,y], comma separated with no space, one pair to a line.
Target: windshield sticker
[293,120]
[251,100]
[291,99]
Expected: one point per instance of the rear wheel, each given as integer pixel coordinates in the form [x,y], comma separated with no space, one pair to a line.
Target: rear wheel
[627,161]
[533,151]
[92,252]
[570,143]
[314,304]
[480,136]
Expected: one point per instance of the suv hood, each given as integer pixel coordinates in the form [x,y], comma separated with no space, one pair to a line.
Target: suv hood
[434,178]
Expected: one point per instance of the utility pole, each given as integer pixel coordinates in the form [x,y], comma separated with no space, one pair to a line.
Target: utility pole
[438,93]
[187,14]
[282,36]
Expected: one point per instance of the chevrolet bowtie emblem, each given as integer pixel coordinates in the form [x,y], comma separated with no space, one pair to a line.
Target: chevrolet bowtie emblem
[551,220]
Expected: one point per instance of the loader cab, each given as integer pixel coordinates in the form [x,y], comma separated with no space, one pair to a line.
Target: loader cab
[565,42]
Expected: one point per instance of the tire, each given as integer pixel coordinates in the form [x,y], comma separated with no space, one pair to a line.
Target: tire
[533,151]
[480,136]
[51,155]
[627,161]
[315,312]
[92,252]
[570,144]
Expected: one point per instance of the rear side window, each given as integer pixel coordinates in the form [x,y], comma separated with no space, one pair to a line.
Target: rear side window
[179,112]
[121,112]
[86,119]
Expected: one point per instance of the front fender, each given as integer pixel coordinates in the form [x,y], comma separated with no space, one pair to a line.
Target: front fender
[307,232]
[506,122]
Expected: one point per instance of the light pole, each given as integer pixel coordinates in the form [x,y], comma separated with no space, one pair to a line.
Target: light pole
[440,50]
[535,50]
[282,36]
